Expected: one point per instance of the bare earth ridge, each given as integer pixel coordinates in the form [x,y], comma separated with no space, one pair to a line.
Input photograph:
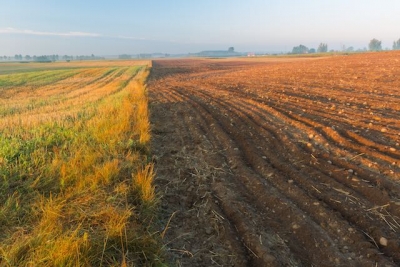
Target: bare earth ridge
[279,162]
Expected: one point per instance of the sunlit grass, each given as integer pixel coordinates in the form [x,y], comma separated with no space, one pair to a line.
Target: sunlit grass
[75,185]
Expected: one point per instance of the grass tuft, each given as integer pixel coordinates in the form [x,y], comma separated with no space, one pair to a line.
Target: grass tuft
[143,184]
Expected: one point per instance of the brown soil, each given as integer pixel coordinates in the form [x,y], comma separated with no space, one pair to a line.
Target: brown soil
[279,163]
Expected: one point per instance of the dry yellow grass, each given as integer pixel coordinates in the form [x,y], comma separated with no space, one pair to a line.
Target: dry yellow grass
[76,185]
[143,184]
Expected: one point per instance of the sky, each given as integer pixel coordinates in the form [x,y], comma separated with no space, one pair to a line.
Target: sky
[112,27]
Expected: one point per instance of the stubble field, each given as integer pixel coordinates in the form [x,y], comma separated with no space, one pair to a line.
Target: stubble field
[75,179]
[279,162]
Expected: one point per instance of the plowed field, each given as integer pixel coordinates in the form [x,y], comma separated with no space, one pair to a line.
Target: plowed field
[279,162]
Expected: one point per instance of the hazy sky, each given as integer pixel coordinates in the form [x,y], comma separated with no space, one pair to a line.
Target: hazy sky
[111,27]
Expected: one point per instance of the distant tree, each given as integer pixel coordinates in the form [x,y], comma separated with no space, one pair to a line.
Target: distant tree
[53,57]
[91,57]
[322,48]
[301,49]
[375,45]
[350,49]
[231,49]
[28,57]
[311,50]
[67,58]
[396,45]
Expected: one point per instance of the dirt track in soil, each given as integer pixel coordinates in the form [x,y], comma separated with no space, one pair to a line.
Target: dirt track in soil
[279,162]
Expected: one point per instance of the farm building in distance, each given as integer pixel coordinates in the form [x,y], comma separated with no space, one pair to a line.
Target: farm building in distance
[218,53]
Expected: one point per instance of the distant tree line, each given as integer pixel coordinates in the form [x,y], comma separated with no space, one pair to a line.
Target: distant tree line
[92,57]
[302,49]
[49,58]
[374,45]
[124,56]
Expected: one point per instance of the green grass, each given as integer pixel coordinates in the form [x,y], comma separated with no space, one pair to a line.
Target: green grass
[77,191]
[39,78]
[13,67]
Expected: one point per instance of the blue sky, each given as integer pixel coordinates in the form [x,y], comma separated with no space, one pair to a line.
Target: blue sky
[180,26]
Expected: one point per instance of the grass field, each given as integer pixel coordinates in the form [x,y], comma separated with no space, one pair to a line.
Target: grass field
[75,180]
